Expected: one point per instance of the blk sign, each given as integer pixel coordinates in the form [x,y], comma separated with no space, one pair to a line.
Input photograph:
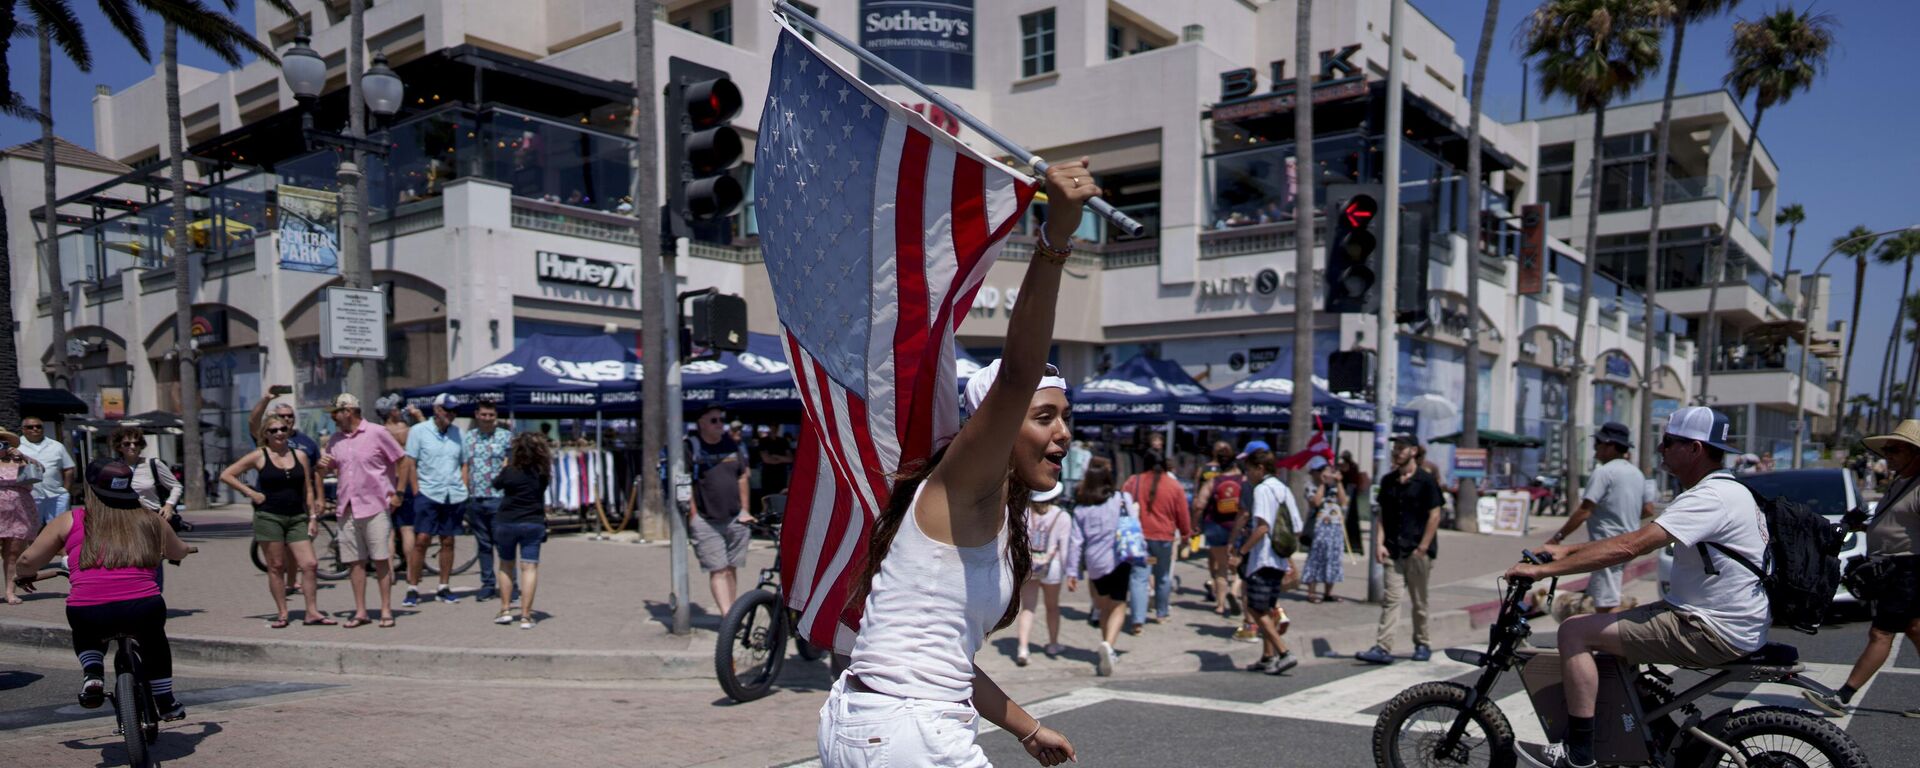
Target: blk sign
[580,270]
[1335,67]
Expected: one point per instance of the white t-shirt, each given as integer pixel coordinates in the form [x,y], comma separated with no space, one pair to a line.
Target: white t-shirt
[1268,498]
[54,458]
[1720,509]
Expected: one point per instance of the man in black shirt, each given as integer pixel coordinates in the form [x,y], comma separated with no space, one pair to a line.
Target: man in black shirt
[719,515]
[1407,525]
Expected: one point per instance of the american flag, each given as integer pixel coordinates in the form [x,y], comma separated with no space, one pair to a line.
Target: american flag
[877,229]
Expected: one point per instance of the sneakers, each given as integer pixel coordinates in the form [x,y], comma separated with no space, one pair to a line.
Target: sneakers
[526,622]
[1422,653]
[1020,659]
[486,593]
[1911,713]
[170,708]
[1281,663]
[1831,705]
[1246,634]
[1549,756]
[1261,665]
[505,617]
[412,599]
[1104,666]
[446,595]
[1054,650]
[1375,655]
[93,691]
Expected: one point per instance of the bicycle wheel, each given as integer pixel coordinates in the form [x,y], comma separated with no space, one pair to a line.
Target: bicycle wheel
[1410,729]
[752,646]
[126,704]
[466,552]
[326,551]
[1775,736]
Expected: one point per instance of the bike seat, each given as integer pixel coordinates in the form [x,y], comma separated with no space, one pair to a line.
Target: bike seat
[1770,655]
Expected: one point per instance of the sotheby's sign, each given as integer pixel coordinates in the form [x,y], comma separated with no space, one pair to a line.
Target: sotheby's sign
[580,270]
[930,40]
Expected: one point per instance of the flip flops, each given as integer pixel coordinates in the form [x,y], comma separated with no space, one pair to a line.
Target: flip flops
[323,621]
[357,622]
[386,623]
[279,623]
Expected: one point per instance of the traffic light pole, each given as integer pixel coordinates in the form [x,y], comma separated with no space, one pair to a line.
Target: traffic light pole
[672,414]
[1386,339]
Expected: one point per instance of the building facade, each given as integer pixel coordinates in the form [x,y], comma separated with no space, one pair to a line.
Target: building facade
[509,163]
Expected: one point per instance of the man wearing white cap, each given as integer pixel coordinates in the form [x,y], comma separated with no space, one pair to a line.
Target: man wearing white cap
[440,496]
[368,461]
[1712,616]
[1890,539]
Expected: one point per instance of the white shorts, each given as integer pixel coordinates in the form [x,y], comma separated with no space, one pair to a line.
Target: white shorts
[874,730]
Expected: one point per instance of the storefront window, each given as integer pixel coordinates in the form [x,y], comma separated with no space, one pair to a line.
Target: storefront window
[1613,401]
[1430,370]
[1540,397]
[1258,186]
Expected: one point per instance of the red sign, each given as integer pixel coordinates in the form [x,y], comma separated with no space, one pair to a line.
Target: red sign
[1533,248]
[1284,102]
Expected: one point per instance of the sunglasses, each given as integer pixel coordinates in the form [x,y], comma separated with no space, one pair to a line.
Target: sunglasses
[133,442]
[25,427]
[278,430]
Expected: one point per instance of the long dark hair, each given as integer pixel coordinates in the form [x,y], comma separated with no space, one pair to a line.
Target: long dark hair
[900,503]
[1096,486]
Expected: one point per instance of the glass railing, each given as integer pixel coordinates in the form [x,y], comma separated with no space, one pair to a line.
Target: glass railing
[1770,356]
[1685,189]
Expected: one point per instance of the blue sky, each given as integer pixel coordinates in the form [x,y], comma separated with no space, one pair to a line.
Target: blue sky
[1843,148]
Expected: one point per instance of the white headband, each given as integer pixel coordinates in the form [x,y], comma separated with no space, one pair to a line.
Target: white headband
[982,382]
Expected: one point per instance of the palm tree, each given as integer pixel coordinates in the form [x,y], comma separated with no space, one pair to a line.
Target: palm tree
[1912,313]
[1899,249]
[1861,244]
[1468,498]
[1791,215]
[1682,13]
[1773,58]
[1302,421]
[62,368]
[56,24]
[1592,52]
[201,25]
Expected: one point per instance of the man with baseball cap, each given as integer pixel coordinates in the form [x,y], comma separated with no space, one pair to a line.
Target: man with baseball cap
[368,461]
[1611,506]
[1890,535]
[439,496]
[1407,528]
[1715,613]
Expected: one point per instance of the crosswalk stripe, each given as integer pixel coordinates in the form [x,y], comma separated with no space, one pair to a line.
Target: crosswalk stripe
[1519,711]
[1345,700]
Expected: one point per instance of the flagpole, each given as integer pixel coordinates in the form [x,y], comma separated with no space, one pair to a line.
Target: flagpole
[1099,206]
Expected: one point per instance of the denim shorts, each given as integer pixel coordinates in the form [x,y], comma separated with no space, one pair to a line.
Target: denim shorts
[521,539]
[1216,533]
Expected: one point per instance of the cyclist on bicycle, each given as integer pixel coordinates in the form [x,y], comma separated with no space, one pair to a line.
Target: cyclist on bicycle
[1707,620]
[113,548]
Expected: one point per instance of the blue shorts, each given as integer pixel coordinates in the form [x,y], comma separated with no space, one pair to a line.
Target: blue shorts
[403,516]
[1216,533]
[522,539]
[436,518]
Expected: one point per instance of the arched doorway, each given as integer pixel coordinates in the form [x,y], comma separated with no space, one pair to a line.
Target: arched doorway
[416,347]
[227,342]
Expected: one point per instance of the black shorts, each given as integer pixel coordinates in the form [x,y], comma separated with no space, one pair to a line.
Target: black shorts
[1264,588]
[1113,586]
[1898,603]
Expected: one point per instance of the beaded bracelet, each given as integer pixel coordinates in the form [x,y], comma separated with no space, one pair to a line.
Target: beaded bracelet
[1056,255]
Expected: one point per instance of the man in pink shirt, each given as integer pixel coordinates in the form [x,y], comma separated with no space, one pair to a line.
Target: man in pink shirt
[368,461]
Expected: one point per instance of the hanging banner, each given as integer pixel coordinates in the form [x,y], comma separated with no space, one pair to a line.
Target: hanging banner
[930,40]
[1533,249]
[309,230]
[113,403]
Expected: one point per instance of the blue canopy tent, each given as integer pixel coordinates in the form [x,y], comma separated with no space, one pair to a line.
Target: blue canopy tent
[1143,390]
[757,381]
[1266,398]
[548,375]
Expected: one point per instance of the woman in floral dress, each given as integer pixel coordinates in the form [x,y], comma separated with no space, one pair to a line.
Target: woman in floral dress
[1328,499]
[19,519]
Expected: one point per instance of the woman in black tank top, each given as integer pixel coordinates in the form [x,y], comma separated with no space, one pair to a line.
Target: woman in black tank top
[286,509]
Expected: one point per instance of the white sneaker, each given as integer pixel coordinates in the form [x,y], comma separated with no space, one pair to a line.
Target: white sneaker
[1107,658]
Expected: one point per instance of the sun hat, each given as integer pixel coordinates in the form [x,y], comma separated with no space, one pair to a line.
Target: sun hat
[1907,432]
[1703,424]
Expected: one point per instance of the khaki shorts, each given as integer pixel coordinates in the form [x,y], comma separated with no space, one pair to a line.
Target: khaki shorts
[1657,633]
[719,545]
[366,538]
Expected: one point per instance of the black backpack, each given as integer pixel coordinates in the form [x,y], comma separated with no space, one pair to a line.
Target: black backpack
[1802,568]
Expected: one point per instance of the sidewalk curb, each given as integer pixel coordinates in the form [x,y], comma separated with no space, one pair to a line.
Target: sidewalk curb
[408,661]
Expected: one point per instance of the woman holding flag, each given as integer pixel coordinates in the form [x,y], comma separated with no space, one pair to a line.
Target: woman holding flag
[949,550]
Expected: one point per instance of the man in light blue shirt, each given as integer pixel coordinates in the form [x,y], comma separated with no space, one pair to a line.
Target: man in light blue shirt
[440,495]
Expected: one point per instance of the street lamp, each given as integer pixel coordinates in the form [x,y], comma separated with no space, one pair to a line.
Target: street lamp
[382,88]
[1806,342]
[305,71]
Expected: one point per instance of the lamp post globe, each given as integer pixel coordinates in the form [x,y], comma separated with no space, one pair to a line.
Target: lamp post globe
[305,71]
[382,87]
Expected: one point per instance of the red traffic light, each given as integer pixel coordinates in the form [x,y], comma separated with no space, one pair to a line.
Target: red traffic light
[711,102]
[1359,211]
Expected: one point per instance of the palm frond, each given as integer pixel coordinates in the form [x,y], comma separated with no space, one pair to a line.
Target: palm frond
[1779,54]
[126,21]
[211,29]
[55,18]
[1595,51]
[13,105]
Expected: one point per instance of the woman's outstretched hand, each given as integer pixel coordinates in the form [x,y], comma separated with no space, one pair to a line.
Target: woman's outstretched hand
[1069,187]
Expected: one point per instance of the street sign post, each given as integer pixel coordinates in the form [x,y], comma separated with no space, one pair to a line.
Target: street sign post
[353,323]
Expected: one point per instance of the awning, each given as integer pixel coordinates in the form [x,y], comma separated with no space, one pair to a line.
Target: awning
[50,403]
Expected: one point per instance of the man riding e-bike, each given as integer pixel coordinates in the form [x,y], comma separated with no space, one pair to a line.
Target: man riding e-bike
[1708,618]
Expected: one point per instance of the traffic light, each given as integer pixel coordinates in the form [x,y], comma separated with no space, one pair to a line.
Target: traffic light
[702,147]
[712,322]
[1353,273]
[1351,370]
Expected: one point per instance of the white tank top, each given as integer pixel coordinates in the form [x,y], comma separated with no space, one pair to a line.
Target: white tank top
[928,612]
